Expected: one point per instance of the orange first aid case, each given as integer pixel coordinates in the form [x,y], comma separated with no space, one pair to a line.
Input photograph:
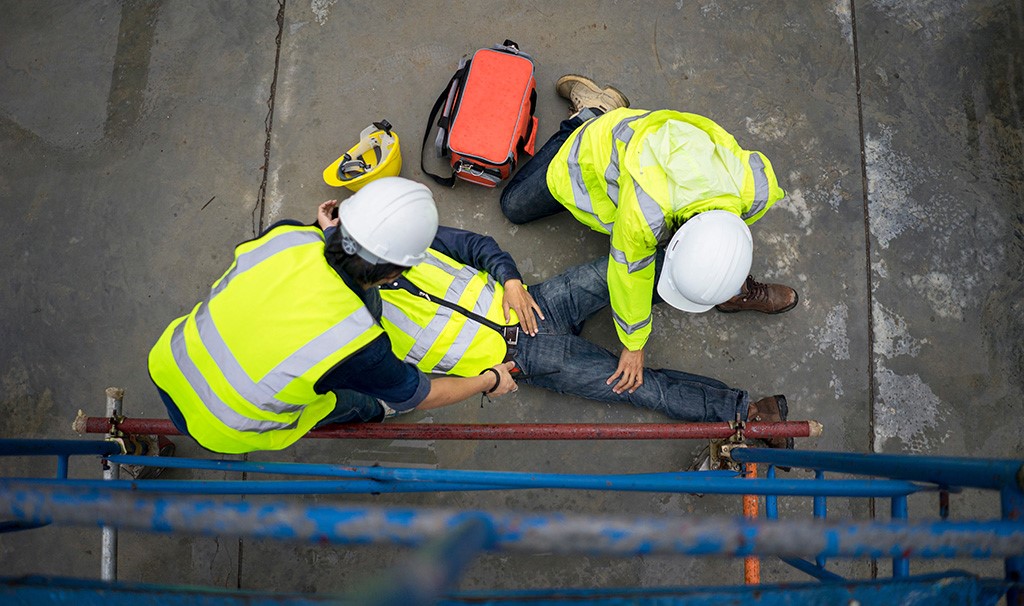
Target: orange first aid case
[486,116]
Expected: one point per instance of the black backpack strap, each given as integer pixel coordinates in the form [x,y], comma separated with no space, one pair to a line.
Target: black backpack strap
[443,124]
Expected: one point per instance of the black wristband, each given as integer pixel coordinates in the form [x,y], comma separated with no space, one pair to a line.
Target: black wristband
[497,379]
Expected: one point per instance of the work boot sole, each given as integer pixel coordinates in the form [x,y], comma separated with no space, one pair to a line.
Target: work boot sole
[564,84]
[770,313]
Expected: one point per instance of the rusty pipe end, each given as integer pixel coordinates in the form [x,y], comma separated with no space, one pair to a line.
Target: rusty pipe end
[79,424]
[814,429]
[116,393]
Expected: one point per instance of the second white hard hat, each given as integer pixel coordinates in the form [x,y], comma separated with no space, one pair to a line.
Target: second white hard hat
[706,262]
[391,220]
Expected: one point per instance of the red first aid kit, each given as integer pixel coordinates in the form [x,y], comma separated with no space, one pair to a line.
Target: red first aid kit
[486,116]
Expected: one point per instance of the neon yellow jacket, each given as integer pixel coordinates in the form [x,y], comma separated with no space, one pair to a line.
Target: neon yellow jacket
[436,338]
[242,365]
[638,175]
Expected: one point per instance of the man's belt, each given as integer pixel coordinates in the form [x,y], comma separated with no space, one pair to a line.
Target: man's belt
[511,335]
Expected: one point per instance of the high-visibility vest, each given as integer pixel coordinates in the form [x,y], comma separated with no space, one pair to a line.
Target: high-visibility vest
[242,365]
[438,339]
[638,175]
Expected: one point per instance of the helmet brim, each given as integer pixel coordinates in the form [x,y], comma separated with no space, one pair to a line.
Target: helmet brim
[668,293]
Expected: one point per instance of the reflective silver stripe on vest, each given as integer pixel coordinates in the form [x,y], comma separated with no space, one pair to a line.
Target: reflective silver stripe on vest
[402,322]
[262,394]
[222,411]
[620,257]
[259,394]
[459,347]
[580,195]
[652,212]
[630,328]
[760,185]
[247,261]
[620,132]
[424,339]
[461,279]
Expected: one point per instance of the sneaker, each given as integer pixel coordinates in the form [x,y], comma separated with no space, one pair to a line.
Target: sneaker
[773,409]
[583,92]
[765,298]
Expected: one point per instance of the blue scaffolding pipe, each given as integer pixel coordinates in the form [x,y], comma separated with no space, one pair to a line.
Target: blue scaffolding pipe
[1012,503]
[59,448]
[993,474]
[813,570]
[441,481]
[689,482]
[334,471]
[898,509]
[532,533]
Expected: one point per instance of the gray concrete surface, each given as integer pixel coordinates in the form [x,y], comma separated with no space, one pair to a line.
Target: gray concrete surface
[140,141]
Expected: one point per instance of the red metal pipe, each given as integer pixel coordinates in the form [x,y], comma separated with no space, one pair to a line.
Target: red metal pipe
[530,431]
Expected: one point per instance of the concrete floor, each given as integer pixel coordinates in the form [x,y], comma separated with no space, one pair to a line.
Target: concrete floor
[139,141]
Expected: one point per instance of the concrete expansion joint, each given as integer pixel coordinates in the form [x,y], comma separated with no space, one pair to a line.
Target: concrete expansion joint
[268,122]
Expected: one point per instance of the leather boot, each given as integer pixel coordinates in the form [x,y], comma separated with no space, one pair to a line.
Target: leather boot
[583,92]
[773,409]
[765,298]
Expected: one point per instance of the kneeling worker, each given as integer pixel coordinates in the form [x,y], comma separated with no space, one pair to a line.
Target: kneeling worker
[447,316]
[285,342]
[639,176]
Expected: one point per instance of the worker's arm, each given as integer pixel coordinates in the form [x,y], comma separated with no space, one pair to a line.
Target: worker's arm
[483,252]
[451,390]
[631,268]
[376,372]
[476,250]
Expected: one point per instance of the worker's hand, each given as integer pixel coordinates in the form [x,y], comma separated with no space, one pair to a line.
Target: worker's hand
[630,372]
[518,298]
[323,214]
[506,384]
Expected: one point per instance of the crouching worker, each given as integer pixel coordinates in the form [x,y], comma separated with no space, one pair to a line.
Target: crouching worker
[285,342]
[639,176]
[464,311]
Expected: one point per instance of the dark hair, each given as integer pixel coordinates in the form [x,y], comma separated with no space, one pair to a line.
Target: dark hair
[356,267]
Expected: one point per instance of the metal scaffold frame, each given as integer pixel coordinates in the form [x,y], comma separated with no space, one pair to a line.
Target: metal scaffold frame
[446,540]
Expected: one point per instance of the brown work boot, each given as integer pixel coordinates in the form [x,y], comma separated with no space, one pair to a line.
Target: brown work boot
[583,92]
[765,298]
[773,409]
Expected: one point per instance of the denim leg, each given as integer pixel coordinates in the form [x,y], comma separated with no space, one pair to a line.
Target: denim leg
[570,298]
[353,406]
[173,412]
[526,197]
[584,368]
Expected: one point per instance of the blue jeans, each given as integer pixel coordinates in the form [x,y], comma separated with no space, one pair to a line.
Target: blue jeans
[567,301]
[353,407]
[526,197]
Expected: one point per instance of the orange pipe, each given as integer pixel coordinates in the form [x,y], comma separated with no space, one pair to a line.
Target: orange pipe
[751,564]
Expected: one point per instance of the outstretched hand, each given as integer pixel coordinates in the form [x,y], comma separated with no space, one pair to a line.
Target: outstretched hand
[323,214]
[630,372]
[518,298]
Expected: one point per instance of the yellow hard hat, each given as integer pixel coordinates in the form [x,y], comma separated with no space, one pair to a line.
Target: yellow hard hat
[376,155]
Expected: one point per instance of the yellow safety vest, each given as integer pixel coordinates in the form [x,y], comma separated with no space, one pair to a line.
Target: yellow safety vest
[438,339]
[638,175]
[242,365]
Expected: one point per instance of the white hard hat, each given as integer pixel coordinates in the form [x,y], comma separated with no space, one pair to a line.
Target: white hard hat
[390,220]
[706,262]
